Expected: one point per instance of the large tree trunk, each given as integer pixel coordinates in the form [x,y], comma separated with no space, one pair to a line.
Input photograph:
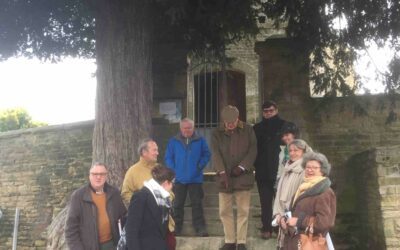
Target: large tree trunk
[124,82]
[124,91]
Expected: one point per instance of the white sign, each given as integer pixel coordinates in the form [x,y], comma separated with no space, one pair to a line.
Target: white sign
[167,108]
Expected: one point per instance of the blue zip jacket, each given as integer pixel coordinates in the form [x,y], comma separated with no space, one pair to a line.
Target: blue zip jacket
[187,157]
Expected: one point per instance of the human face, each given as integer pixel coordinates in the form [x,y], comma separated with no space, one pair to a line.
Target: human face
[287,138]
[97,177]
[231,125]
[151,153]
[295,153]
[168,185]
[313,169]
[269,112]
[187,129]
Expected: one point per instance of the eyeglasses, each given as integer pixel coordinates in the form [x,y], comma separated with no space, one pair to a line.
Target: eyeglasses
[99,174]
[312,168]
[269,110]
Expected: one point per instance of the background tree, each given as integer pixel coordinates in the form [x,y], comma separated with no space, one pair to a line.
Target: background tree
[333,30]
[17,118]
[121,35]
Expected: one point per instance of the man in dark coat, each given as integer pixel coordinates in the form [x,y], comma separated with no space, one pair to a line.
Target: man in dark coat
[234,151]
[267,161]
[92,221]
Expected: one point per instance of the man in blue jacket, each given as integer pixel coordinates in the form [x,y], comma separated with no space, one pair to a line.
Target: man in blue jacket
[188,154]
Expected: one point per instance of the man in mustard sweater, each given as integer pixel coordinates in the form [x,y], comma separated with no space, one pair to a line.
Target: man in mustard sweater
[141,171]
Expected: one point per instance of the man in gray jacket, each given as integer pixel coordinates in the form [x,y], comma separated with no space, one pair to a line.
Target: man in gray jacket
[95,209]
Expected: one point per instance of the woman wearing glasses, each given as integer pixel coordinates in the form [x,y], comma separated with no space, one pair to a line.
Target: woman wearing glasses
[291,178]
[314,201]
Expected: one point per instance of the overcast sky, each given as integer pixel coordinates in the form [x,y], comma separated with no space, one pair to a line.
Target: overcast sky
[52,93]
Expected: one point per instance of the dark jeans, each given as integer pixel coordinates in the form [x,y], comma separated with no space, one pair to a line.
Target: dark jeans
[267,193]
[196,198]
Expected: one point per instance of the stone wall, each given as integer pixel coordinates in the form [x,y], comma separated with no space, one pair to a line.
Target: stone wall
[39,168]
[387,160]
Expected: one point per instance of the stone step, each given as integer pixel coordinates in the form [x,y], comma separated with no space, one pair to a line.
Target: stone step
[214,243]
[210,187]
[215,228]
[211,200]
[212,213]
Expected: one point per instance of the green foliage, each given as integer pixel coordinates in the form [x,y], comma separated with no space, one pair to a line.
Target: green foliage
[18,118]
[329,30]
[209,26]
[46,29]
[340,26]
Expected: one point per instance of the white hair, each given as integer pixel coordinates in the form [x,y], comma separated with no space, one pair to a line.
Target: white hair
[186,120]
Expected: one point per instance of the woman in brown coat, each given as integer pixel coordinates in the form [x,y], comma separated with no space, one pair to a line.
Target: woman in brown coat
[313,198]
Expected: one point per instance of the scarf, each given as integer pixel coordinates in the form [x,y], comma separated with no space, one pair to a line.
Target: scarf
[286,156]
[308,183]
[162,197]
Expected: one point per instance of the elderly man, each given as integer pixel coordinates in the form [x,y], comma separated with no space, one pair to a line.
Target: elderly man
[141,171]
[267,161]
[187,154]
[234,150]
[86,229]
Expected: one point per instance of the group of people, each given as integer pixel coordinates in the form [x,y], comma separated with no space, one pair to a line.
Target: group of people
[292,181]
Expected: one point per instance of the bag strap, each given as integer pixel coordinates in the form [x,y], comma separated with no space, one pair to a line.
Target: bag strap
[310,227]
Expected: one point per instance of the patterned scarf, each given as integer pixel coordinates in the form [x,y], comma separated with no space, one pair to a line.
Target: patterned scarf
[162,197]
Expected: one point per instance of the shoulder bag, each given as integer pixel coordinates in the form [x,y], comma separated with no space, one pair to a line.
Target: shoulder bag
[309,241]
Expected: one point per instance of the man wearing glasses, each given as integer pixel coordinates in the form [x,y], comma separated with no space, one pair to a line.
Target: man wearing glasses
[267,161]
[92,221]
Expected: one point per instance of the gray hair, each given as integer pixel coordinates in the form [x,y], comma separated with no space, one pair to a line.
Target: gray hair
[186,120]
[323,161]
[97,163]
[144,145]
[301,144]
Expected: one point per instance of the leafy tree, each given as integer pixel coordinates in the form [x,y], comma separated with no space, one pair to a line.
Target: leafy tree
[122,35]
[342,26]
[18,118]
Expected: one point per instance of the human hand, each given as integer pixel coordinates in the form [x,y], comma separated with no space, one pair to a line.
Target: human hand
[282,223]
[292,221]
[236,171]
[223,178]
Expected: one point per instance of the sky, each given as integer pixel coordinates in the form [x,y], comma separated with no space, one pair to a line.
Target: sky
[65,92]
[52,93]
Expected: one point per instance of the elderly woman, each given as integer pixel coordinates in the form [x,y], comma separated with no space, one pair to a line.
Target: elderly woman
[291,178]
[148,213]
[314,200]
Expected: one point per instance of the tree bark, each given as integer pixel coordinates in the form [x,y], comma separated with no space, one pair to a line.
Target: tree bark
[124,35]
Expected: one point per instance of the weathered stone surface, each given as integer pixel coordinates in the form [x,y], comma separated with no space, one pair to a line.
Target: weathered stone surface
[39,168]
[207,243]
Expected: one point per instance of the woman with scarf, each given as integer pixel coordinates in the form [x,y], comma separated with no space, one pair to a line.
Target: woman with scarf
[148,213]
[291,178]
[314,200]
[288,133]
